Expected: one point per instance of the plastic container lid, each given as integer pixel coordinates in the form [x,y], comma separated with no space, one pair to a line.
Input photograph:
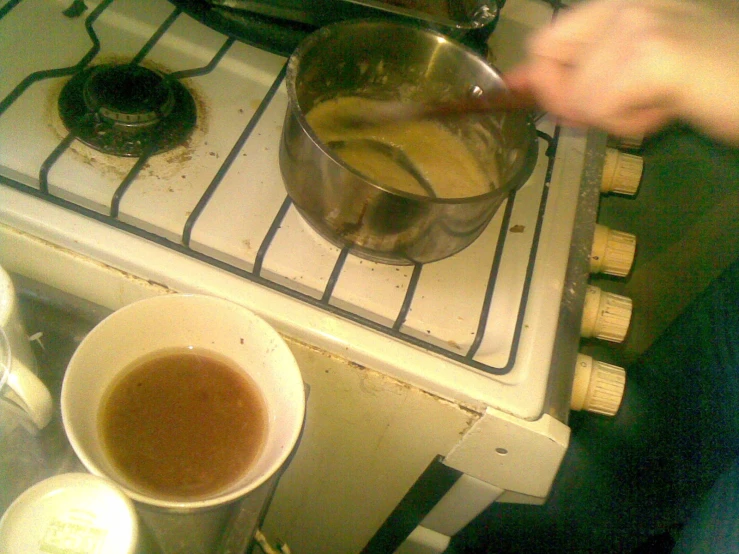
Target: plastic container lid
[74,513]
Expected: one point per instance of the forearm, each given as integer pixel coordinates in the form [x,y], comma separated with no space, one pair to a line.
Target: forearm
[631,66]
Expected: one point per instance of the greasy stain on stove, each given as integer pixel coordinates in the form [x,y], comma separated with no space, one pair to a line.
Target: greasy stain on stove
[165,164]
[127,109]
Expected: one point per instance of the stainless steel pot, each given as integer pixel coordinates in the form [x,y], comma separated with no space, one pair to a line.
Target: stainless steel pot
[391,61]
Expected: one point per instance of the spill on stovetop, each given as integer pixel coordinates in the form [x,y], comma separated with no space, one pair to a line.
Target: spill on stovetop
[166,165]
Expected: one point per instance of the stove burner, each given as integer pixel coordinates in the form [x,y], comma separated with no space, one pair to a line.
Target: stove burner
[125,110]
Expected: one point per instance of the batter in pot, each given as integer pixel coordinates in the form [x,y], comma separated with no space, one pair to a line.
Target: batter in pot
[437,154]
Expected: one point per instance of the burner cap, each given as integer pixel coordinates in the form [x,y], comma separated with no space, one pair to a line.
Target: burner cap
[125,109]
[128,94]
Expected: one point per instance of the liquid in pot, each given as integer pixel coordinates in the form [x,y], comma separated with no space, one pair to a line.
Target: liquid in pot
[417,156]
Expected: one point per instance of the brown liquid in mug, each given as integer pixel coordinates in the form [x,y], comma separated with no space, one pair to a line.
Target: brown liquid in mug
[183,425]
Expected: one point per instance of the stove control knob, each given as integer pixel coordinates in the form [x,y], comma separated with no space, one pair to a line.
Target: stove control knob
[613,252]
[598,386]
[606,316]
[621,172]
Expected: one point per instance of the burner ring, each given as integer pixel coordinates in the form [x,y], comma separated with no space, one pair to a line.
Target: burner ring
[128,94]
[125,110]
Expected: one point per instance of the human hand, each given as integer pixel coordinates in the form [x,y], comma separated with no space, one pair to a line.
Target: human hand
[631,66]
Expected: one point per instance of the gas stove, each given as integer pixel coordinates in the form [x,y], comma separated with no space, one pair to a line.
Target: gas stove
[463,366]
[207,209]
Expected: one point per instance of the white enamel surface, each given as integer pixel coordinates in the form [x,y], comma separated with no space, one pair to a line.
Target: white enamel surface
[361,402]
[183,321]
[255,174]
[466,499]
[446,307]
[355,342]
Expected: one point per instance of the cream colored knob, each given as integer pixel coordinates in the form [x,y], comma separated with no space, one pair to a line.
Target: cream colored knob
[621,172]
[613,252]
[606,316]
[598,386]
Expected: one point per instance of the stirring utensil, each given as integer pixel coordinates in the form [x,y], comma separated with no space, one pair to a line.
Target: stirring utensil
[382,113]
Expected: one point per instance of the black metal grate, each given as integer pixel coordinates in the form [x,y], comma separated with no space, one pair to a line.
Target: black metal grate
[256,275]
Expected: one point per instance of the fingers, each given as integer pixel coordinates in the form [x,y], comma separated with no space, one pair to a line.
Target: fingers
[631,66]
[555,91]
[568,38]
[638,122]
[556,56]
[603,64]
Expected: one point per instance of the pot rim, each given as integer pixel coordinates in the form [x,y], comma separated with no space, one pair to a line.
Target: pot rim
[291,74]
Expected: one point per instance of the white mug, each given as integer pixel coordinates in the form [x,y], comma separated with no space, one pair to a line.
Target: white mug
[18,380]
[114,349]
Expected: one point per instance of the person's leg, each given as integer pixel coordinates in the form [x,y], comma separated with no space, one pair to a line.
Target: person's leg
[714,528]
[646,470]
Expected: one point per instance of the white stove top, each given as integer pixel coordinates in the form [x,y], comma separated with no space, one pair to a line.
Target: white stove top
[478,326]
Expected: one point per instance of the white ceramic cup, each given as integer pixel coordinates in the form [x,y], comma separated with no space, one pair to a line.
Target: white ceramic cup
[180,321]
[18,380]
